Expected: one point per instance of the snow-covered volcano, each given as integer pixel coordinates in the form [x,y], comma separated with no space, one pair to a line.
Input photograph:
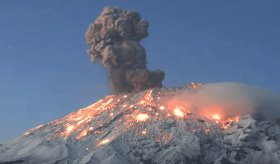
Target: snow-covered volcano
[142,128]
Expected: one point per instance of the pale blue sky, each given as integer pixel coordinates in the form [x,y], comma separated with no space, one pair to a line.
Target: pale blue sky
[45,72]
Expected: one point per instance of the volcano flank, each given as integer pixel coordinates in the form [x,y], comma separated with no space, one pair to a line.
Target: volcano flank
[140,128]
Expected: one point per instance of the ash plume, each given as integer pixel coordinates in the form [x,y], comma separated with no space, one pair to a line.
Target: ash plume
[228,99]
[114,41]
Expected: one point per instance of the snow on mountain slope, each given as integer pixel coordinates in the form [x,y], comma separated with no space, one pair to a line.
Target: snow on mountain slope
[143,128]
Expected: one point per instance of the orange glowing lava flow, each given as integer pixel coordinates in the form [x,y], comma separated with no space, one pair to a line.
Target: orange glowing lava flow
[148,98]
[131,111]
[78,121]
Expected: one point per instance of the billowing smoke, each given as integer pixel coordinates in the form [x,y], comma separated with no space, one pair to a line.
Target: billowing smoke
[113,41]
[227,99]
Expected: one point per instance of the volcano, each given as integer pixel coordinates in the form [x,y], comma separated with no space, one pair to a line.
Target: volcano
[143,128]
[145,123]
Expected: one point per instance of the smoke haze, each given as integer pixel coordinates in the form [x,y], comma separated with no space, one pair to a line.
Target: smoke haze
[228,99]
[113,40]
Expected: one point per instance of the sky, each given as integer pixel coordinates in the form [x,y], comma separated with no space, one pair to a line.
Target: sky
[45,72]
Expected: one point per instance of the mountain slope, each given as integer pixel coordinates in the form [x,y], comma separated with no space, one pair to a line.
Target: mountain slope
[141,128]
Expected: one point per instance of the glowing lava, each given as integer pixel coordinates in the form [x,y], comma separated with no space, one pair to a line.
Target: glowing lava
[142,117]
[216,117]
[178,112]
[144,132]
[225,123]
[128,111]
[103,142]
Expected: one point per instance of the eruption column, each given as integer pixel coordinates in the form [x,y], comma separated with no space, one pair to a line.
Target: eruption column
[114,41]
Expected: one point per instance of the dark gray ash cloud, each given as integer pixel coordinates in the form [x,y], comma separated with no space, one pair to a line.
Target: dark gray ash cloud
[114,41]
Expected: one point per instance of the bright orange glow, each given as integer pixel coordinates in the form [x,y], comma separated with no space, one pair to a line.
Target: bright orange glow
[108,102]
[142,102]
[216,117]
[144,132]
[178,112]
[234,119]
[134,111]
[103,142]
[228,121]
[177,107]
[214,113]
[70,128]
[78,121]
[142,117]
[161,107]
[147,98]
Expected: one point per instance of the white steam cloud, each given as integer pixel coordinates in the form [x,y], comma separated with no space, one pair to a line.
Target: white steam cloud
[228,99]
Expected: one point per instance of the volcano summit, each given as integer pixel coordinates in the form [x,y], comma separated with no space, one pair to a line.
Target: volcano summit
[148,128]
